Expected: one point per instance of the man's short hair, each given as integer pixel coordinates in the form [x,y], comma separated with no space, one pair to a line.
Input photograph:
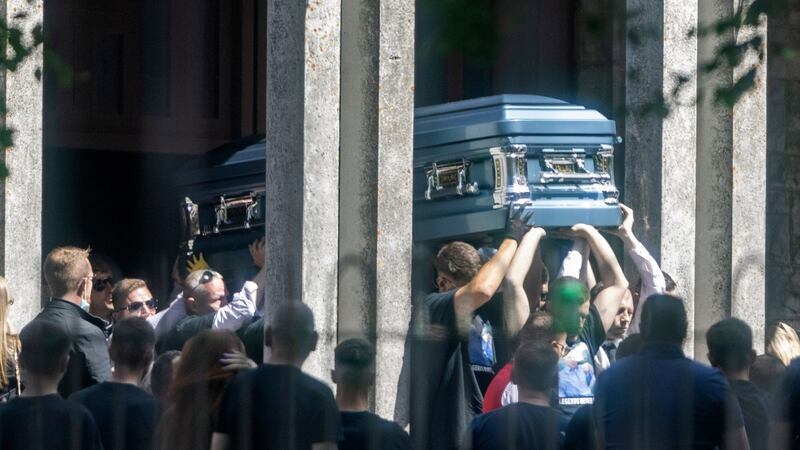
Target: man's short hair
[458,260]
[292,325]
[730,344]
[132,343]
[535,366]
[102,263]
[664,319]
[122,289]
[355,363]
[566,295]
[538,328]
[193,281]
[64,268]
[161,373]
[43,344]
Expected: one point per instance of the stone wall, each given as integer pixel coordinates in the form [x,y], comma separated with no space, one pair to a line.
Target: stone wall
[783,172]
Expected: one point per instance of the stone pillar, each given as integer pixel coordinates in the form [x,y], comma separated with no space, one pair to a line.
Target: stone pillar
[660,151]
[748,205]
[731,191]
[302,174]
[375,185]
[714,184]
[697,176]
[21,196]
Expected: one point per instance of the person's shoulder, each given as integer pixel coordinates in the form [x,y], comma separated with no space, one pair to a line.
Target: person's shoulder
[393,436]
[82,395]
[620,370]
[793,369]
[438,308]
[314,385]
[136,395]
[56,404]
[493,416]
[706,373]
[437,298]
[386,426]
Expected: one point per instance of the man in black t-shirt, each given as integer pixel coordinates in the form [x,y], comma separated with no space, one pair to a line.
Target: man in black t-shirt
[354,373]
[276,405]
[125,414]
[40,419]
[445,394]
[531,423]
[730,349]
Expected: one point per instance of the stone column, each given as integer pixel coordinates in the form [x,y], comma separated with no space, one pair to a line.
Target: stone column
[748,205]
[714,184]
[21,196]
[660,151]
[375,185]
[696,176]
[302,174]
[731,183]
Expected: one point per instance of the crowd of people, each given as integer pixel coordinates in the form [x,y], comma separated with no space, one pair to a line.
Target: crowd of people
[541,343]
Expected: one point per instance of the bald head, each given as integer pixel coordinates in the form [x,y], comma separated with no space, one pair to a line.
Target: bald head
[291,329]
[204,292]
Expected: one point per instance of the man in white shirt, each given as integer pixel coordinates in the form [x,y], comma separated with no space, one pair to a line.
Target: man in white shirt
[201,304]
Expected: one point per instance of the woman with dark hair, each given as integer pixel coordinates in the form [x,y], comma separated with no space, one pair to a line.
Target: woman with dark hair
[206,364]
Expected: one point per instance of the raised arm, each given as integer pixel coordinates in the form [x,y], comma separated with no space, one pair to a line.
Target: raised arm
[483,286]
[649,272]
[516,306]
[607,302]
[258,255]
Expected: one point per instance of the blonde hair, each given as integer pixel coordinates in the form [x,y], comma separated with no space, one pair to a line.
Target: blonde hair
[9,342]
[783,343]
[123,289]
[65,268]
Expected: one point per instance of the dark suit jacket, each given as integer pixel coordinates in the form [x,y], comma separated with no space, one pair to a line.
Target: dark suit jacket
[89,362]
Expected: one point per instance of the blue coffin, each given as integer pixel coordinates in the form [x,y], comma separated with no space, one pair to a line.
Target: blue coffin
[474,158]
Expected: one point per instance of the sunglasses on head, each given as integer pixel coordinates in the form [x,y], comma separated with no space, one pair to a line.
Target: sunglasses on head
[206,277]
[99,284]
[136,306]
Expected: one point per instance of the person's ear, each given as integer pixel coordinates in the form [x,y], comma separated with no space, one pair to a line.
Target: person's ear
[440,283]
[711,359]
[268,336]
[148,358]
[83,288]
[334,378]
[314,340]
[62,365]
[751,358]
[191,304]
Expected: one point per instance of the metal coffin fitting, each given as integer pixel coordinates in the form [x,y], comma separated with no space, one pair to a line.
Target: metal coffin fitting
[474,158]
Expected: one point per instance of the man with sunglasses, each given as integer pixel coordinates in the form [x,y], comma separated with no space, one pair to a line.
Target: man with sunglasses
[105,273]
[132,298]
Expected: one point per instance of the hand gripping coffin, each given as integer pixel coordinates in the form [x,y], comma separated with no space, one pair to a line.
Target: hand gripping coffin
[473,158]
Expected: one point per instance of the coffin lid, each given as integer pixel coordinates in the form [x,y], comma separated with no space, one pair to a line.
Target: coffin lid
[236,159]
[505,115]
